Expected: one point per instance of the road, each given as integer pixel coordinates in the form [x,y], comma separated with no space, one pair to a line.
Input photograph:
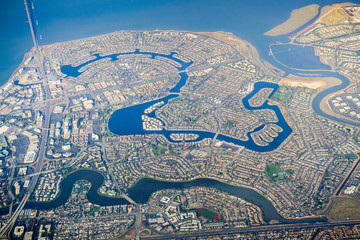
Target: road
[253,230]
[138,221]
[44,134]
[109,170]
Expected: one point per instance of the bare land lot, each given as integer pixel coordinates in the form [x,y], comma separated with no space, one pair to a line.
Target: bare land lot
[343,208]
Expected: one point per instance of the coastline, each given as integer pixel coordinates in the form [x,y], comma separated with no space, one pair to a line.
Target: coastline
[245,48]
[21,65]
[313,82]
[323,12]
[248,50]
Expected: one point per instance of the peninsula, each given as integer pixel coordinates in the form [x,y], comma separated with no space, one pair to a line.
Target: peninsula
[157,132]
[298,18]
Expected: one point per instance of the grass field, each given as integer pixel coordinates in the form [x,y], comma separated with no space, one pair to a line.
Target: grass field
[207,213]
[297,19]
[351,156]
[230,124]
[158,150]
[94,209]
[344,209]
[176,99]
[275,173]
[283,94]
[206,50]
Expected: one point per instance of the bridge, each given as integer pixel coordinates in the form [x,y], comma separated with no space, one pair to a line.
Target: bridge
[39,60]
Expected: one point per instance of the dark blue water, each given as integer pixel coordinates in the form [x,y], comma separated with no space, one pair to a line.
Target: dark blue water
[127,121]
[67,20]
[142,190]
[95,178]
[75,71]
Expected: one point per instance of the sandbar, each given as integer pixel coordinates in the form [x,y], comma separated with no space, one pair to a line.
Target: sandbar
[298,18]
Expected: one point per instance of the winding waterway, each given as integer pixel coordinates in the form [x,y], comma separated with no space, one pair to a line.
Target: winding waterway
[132,17]
[143,189]
[127,121]
[321,95]
[95,178]
[291,61]
[69,70]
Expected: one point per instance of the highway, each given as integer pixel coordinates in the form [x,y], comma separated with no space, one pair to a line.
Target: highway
[253,230]
[39,163]
[138,221]
[44,134]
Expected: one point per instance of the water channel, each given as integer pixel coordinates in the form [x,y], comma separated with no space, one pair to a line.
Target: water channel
[127,121]
[142,190]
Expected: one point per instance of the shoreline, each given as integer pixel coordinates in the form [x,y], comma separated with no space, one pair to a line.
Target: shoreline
[323,103]
[319,84]
[244,48]
[323,12]
[21,65]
